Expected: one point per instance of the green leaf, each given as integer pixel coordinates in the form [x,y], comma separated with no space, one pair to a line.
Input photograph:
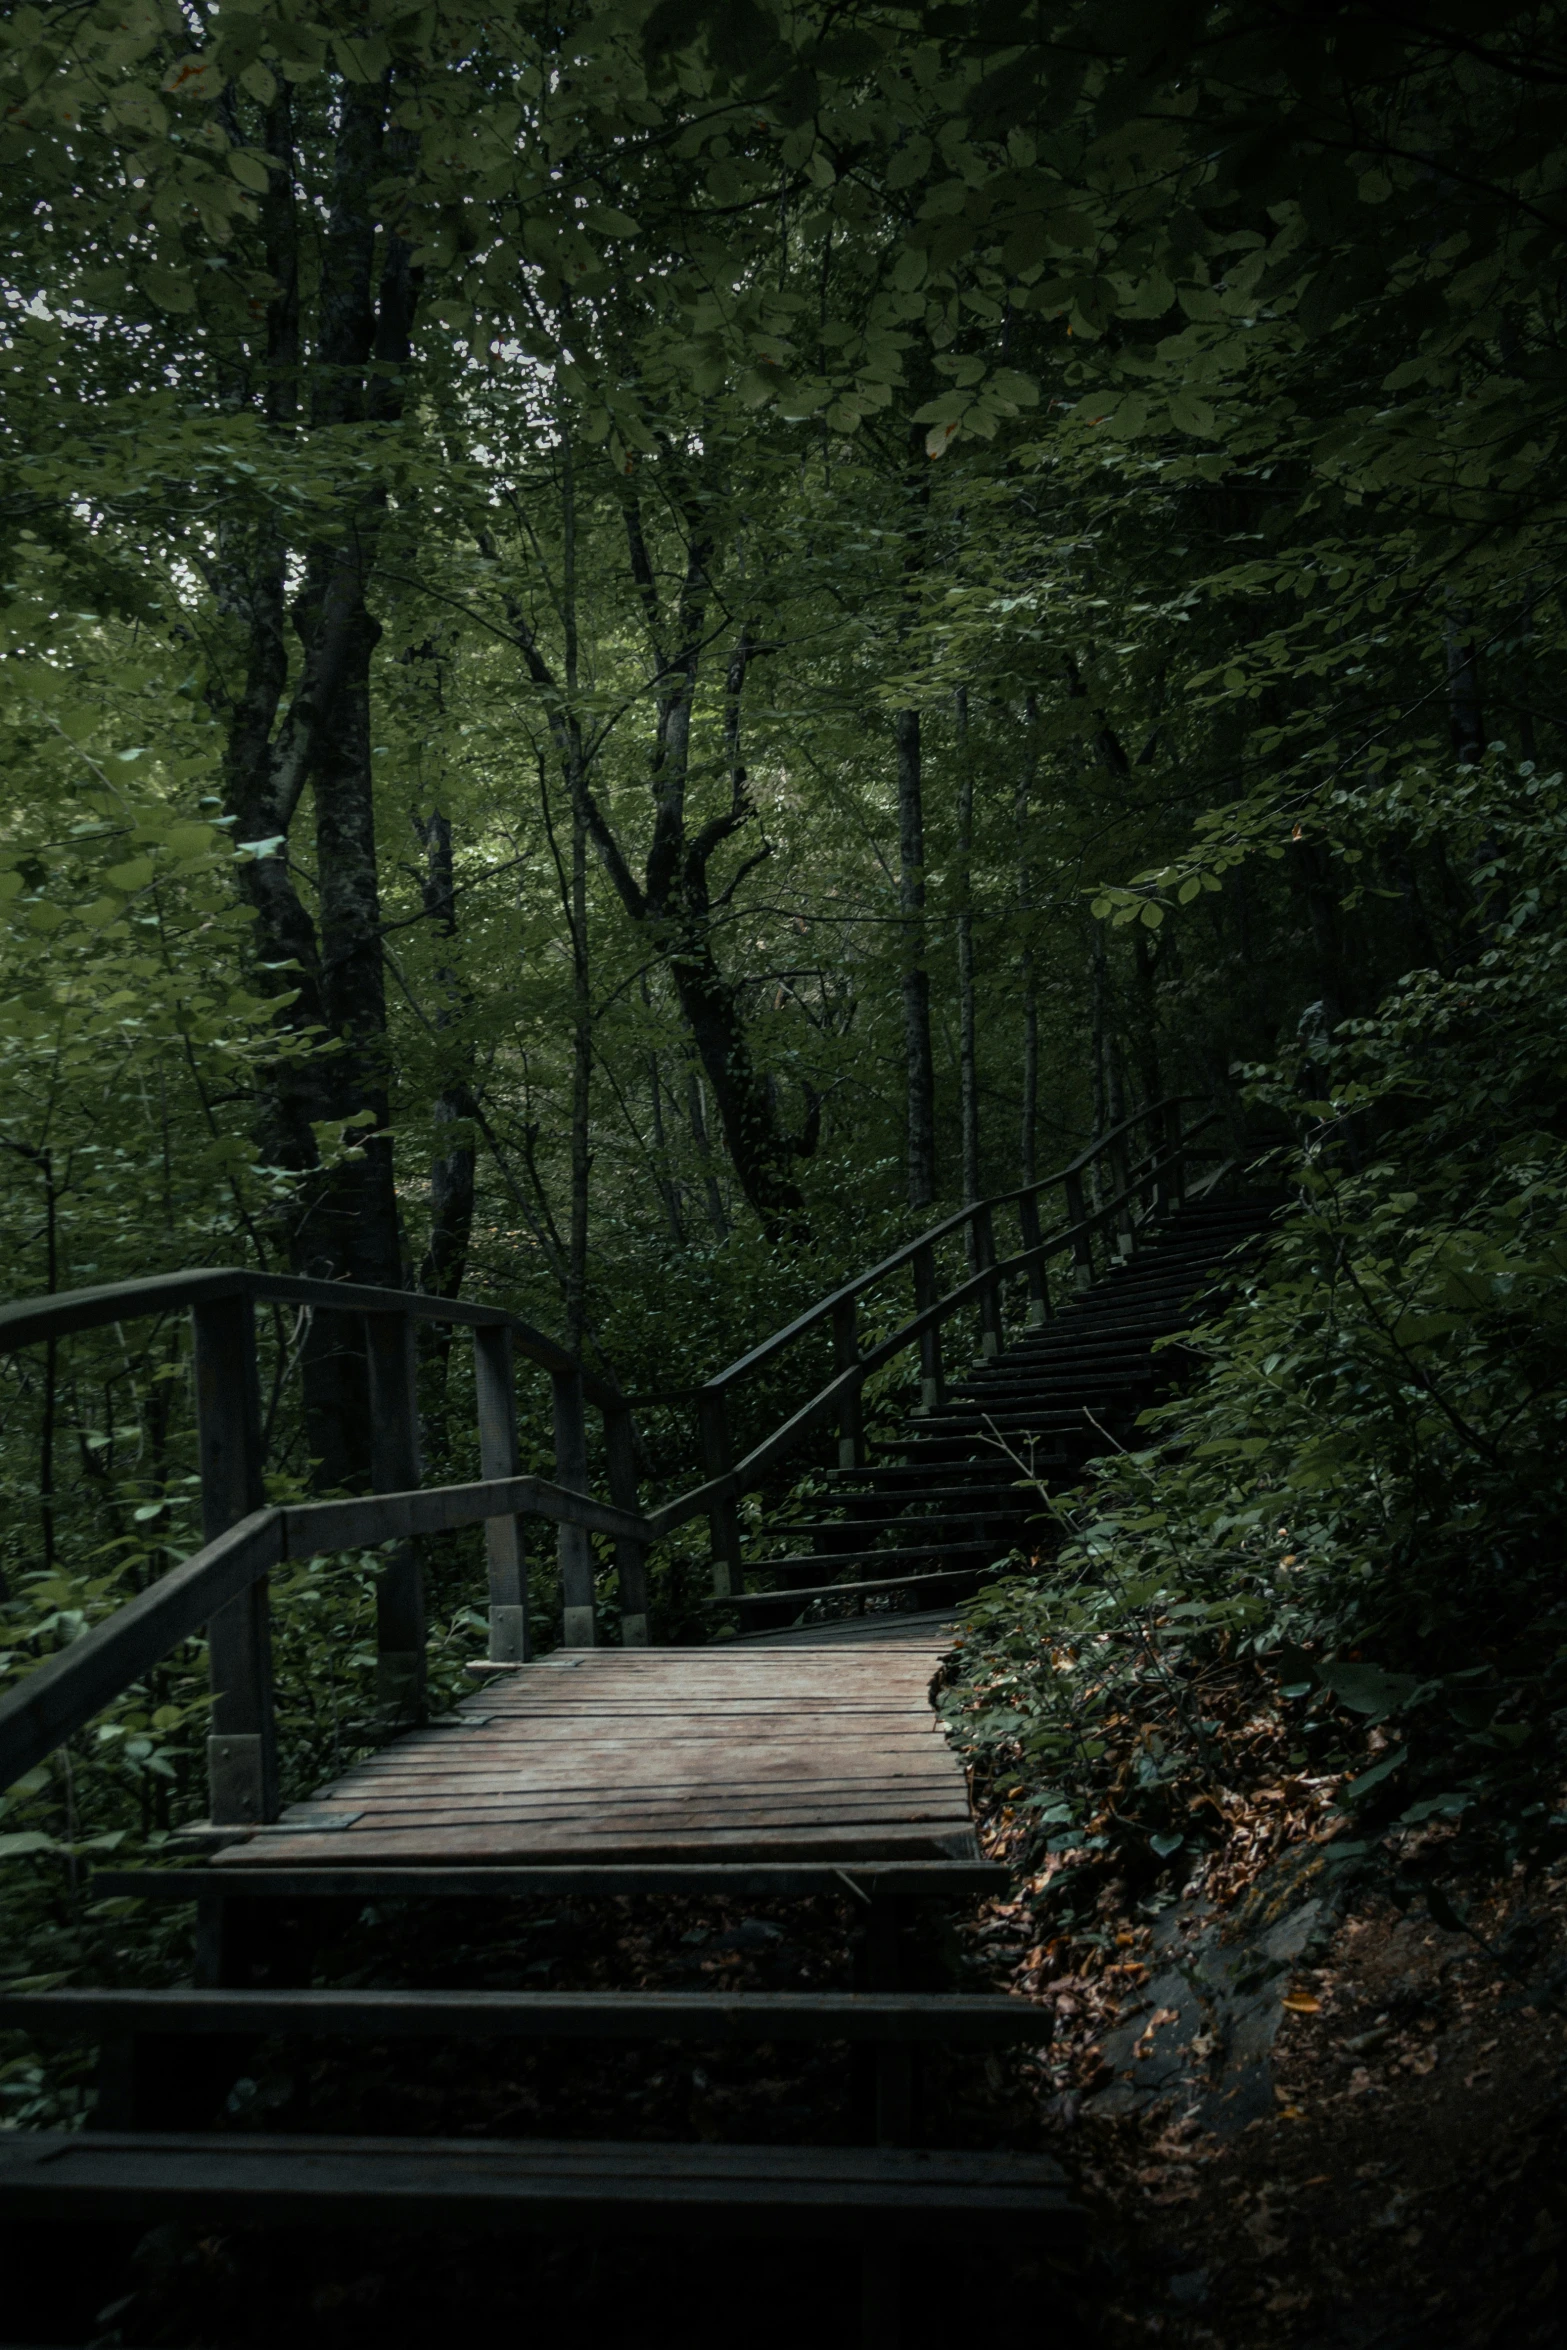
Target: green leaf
[169,288]
[249,170]
[1190,414]
[1366,1689]
[25,1840]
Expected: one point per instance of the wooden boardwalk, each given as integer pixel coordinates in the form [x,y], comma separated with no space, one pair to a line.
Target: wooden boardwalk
[773,1750]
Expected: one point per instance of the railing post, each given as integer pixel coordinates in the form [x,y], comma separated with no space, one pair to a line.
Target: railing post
[1082,1244]
[242,1743]
[724,1516]
[845,1354]
[575,1549]
[505,1549]
[392,1362]
[1120,1168]
[984,1252]
[926,1294]
[1038,1280]
[630,1557]
[1175,1187]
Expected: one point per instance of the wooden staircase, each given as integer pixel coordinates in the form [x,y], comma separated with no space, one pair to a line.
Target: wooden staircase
[951,1496]
[815,1767]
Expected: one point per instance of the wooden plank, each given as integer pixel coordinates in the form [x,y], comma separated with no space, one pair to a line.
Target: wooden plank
[849,1843]
[960,1879]
[974,2019]
[108,2178]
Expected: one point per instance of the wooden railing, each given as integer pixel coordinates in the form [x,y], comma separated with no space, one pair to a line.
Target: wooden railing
[224,1585]
[1131,1191]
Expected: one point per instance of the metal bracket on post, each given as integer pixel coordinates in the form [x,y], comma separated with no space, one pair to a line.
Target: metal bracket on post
[1125,1239]
[630,1557]
[1038,1280]
[242,1745]
[392,1363]
[1174,1186]
[984,1251]
[851,1415]
[505,1551]
[927,1295]
[724,1516]
[574,1549]
[1082,1246]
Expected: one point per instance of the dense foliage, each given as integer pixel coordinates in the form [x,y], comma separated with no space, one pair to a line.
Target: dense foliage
[641,641]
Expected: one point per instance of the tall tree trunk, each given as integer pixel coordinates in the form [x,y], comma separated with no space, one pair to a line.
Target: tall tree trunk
[343,1223]
[696,1111]
[1028,978]
[1465,716]
[1146,958]
[919,1063]
[453,1162]
[1099,1013]
[668,1188]
[968,1057]
[581,1093]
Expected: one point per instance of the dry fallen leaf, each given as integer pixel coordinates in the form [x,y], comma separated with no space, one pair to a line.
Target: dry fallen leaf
[1302,2003]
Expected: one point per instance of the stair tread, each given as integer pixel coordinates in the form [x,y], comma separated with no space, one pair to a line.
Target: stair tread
[854,1558]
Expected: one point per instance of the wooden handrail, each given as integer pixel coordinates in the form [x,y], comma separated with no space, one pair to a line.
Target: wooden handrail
[775,1447]
[755,1356]
[63,1693]
[32,1320]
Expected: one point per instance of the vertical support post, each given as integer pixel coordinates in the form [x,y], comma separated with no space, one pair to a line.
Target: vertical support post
[1082,1246]
[630,1557]
[242,1743]
[395,1467]
[574,1548]
[926,1294]
[505,1549]
[894,2058]
[983,1228]
[1175,1180]
[724,1516]
[1120,1173]
[851,1414]
[1038,1280]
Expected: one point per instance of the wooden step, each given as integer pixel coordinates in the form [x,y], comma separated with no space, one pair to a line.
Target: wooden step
[812,1562]
[908,1524]
[972,2019]
[892,1880]
[846,1590]
[113,2178]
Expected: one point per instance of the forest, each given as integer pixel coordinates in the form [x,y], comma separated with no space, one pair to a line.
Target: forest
[647,645]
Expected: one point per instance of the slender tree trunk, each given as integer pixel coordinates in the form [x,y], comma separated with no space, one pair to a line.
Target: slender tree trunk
[1146,959]
[968,1050]
[452,1165]
[1099,1013]
[919,1063]
[1029,985]
[696,1111]
[668,1188]
[581,1094]
[1465,715]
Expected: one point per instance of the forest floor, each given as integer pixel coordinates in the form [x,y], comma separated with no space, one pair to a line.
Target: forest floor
[1379,2160]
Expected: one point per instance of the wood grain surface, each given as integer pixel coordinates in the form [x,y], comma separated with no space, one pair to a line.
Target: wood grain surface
[780,1752]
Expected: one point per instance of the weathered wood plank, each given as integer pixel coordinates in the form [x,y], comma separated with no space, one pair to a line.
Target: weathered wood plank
[107,2178]
[974,2019]
[906,1879]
